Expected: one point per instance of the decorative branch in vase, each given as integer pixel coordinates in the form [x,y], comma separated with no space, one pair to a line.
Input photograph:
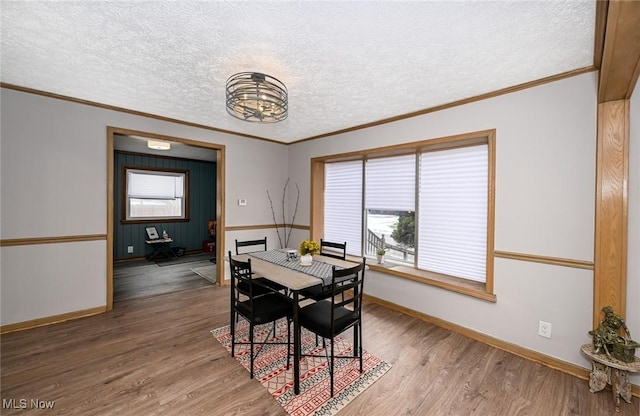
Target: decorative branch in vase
[285,235]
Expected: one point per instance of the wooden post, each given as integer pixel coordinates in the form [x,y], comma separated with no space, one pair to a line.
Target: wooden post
[612,174]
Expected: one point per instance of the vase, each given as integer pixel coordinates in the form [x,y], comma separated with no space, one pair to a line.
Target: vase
[306,259]
[380,258]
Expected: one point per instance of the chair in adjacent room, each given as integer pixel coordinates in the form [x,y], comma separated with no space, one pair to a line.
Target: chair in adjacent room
[267,307]
[330,317]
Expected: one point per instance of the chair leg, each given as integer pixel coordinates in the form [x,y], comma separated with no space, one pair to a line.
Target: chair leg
[251,342]
[331,366]
[233,335]
[356,341]
[288,342]
[360,344]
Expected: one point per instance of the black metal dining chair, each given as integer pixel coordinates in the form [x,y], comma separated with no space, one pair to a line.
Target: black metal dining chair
[335,250]
[262,245]
[267,307]
[329,249]
[330,317]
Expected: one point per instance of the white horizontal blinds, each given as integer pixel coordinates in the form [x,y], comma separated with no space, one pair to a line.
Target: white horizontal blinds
[153,185]
[452,216]
[343,204]
[390,183]
[179,186]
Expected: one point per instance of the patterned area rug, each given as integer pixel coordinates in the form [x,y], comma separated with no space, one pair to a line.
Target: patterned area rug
[315,396]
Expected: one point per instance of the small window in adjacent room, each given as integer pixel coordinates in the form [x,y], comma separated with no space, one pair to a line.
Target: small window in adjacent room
[155,194]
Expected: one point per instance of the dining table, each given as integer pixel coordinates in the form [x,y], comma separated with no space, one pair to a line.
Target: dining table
[281,267]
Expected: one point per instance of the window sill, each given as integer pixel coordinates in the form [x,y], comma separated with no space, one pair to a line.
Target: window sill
[454,284]
[154,221]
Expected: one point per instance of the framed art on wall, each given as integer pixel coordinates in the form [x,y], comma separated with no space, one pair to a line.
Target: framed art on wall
[152,233]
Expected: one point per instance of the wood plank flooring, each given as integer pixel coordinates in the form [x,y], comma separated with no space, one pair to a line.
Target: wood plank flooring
[155,355]
[139,278]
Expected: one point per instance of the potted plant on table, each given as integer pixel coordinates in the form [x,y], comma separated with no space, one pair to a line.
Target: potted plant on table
[307,249]
[380,254]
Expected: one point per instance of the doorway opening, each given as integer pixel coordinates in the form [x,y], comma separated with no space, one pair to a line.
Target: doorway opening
[191,243]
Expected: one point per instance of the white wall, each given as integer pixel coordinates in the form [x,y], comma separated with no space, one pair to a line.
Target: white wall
[54,183]
[545,193]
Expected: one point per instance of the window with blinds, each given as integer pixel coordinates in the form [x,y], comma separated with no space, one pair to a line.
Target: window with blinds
[428,209]
[452,212]
[390,183]
[389,200]
[343,205]
[155,195]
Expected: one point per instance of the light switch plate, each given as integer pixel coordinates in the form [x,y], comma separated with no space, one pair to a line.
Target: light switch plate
[242,202]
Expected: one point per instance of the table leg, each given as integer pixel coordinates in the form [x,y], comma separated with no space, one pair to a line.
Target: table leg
[620,386]
[615,393]
[296,344]
[161,250]
[599,377]
[156,252]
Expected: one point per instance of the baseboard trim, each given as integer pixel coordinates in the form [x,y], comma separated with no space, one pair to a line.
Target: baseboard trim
[528,354]
[34,323]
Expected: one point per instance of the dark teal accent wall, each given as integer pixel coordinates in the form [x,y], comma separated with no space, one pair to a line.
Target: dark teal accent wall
[202,206]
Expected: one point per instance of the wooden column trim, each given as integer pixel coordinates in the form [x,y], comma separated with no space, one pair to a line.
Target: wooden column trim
[317,200]
[602,7]
[612,175]
[620,66]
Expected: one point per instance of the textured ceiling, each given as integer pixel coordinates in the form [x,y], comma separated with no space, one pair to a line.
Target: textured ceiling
[345,63]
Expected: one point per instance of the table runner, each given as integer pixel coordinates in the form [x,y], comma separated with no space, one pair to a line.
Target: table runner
[317,268]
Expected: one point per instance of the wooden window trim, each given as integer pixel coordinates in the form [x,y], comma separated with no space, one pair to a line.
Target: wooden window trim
[187,196]
[479,290]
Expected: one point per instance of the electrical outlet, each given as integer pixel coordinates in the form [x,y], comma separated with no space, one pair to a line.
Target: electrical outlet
[130,249]
[544,329]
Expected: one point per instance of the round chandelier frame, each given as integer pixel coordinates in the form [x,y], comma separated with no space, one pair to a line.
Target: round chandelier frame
[256,97]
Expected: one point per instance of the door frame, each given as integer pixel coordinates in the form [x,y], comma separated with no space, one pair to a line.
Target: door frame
[220,192]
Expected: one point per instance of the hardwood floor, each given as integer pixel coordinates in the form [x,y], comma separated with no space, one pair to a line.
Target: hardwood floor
[139,278]
[155,355]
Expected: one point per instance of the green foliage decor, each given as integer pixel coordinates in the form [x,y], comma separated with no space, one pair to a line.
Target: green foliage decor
[404,232]
[309,247]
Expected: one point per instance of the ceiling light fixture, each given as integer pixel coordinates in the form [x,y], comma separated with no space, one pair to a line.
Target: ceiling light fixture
[158,145]
[256,97]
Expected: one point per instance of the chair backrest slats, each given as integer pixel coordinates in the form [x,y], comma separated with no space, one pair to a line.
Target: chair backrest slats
[335,250]
[250,243]
[348,284]
[241,273]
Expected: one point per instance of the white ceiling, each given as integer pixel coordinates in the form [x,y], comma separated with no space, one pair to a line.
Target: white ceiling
[345,63]
[138,144]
